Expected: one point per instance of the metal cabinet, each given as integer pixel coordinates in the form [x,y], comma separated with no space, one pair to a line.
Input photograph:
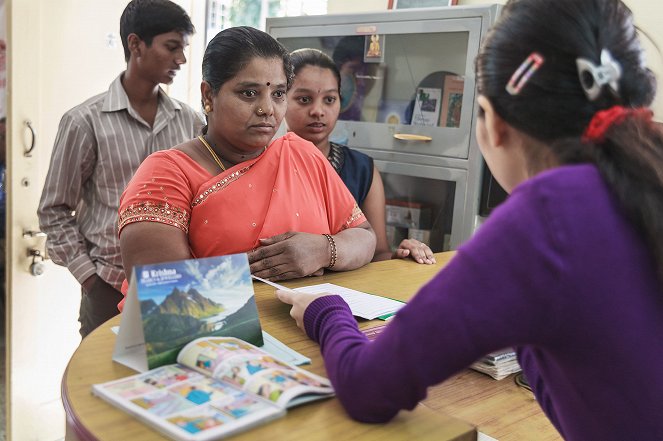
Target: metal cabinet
[408,100]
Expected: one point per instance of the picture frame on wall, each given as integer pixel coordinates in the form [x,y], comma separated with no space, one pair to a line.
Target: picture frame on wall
[374,48]
[405,4]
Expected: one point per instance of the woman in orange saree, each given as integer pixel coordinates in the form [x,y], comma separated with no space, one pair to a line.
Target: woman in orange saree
[290,187]
[228,191]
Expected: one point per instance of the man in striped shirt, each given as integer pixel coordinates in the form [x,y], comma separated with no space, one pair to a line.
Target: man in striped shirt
[100,144]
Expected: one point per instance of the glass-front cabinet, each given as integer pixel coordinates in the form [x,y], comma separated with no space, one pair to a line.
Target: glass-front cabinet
[407,100]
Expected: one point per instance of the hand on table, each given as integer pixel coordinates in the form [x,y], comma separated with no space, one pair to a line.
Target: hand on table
[289,255]
[418,251]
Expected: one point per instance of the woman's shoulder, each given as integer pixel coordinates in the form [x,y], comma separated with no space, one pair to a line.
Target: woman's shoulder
[353,159]
[358,156]
[169,154]
[565,177]
[294,140]
[294,144]
[561,204]
[169,157]
[355,154]
[173,162]
[567,184]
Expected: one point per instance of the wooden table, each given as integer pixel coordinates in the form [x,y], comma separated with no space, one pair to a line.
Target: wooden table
[499,408]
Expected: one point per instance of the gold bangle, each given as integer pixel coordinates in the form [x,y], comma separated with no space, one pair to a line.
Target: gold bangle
[332,246]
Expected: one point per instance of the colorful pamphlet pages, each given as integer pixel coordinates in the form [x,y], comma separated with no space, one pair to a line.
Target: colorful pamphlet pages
[170,304]
[219,386]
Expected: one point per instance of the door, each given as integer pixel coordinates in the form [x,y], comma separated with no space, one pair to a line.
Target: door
[60,53]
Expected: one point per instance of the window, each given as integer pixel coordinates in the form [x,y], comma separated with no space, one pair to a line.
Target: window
[222,14]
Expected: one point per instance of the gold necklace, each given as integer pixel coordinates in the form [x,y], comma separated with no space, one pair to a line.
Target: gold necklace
[212,152]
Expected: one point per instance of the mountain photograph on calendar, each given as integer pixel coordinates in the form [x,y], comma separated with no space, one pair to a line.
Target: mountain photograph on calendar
[184,300]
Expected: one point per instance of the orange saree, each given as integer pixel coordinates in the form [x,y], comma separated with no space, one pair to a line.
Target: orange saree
[290,187]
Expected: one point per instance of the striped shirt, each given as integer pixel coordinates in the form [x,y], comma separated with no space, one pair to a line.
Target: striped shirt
[99,145]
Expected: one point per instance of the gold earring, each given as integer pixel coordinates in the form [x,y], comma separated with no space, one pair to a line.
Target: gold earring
[208,108]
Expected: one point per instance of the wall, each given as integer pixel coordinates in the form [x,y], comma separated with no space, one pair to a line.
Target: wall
[350,6]
[648,17]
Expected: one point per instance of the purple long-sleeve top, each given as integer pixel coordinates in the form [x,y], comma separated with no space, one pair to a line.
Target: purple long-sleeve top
[557,272]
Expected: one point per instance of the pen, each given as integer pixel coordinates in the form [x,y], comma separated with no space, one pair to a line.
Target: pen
[275,285]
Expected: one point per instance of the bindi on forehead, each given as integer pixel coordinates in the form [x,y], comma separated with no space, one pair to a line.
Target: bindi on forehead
[268,84]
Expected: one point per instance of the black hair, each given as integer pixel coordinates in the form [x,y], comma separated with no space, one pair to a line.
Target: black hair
[314,57]
[232,49]
[552,107]
[149,18]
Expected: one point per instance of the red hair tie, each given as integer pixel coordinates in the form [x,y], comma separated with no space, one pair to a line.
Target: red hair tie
[604,119]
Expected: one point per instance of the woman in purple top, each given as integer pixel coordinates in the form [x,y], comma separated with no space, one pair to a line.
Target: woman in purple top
[569,270]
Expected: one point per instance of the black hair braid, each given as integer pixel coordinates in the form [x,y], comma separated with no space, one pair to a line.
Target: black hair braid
[631,162]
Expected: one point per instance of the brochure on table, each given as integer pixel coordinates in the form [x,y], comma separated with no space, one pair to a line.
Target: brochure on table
[219,386]
[170,304]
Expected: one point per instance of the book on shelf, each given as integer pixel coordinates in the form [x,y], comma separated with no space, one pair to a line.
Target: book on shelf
[426,109]
[218,387]
[452,101]
[498,364]
[172,303]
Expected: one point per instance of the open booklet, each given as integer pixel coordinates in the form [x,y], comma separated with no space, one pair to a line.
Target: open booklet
[219,386]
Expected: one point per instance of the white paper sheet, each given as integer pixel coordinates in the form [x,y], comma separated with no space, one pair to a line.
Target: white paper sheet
[361,304]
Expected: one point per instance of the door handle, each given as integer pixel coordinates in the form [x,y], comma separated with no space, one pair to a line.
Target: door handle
[37,267]
[412,137]
[30,233]
[28,151]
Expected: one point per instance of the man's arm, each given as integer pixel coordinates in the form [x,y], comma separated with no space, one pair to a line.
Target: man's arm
[72,163]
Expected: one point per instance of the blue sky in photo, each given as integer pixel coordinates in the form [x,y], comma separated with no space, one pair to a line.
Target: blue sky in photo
[223,279]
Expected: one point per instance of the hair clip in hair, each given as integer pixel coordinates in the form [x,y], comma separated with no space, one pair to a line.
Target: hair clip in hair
[604,119]
[524,72]
[593,77]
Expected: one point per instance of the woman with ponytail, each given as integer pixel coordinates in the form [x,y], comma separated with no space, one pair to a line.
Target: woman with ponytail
[569,270]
